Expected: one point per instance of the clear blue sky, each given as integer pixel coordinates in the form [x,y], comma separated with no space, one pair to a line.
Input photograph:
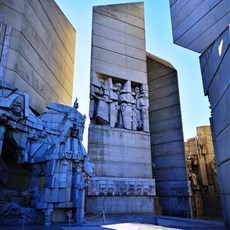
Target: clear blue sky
[194,106]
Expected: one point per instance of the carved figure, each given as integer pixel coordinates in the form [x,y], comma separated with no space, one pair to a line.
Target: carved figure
[118,105]
[52,145]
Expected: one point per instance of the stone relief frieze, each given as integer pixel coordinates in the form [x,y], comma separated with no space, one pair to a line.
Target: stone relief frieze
[119,104]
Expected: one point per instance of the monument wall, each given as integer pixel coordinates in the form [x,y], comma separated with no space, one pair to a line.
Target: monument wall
[37,44]
[167,145]
[119,138]
[202,172]
[204,27]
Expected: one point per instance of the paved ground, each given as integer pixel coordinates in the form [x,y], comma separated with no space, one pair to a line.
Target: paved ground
[132,222]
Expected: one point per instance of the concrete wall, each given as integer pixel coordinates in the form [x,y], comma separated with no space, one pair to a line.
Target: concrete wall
[118,41]
[207,32]
[196,24]
[216,80]
[122,157]
[41,50]
[201,166]
[167,145]
[120,153]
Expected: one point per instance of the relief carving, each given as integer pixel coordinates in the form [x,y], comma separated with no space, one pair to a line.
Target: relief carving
[118,104]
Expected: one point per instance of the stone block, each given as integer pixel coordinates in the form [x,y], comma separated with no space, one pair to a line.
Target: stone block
[118,137]
[218,56]
[162,81]
[223,146]
[212,19]
[135,9]
[226,208]
[166,113]
[100,152]
[119,204]
[175,8]
[168,148]
[167,124]
[170,174]
[220,82]
[173,188]
[123,169]
[62,32]
[220,113]
[175,206]
[118,59]
[118,71]
[171,161]
[118,25]
[184,18]
[165,92]
[118,13]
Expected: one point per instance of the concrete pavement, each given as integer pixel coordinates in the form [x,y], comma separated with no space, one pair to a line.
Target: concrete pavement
[131,222]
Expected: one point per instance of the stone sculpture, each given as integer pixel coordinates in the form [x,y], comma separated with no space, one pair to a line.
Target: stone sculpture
[119,105]
[52,145]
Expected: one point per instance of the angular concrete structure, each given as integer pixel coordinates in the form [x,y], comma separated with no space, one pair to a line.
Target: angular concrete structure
[167,142]
[119,138]
[202,172]
[203,26]
[37,44]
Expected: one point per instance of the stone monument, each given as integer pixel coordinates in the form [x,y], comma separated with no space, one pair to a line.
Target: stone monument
[119,138]
[49,146]
[203,26]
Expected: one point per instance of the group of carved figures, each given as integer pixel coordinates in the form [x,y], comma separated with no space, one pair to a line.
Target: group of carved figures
[50,144]
[119,105]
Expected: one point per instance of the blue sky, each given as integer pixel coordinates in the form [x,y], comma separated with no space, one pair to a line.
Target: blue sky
[159,41]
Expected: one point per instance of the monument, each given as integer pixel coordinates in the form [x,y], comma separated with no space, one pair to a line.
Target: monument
[203,26]
[167,141]
[50,147]
[135,120]
[119,138]
[202,172]
[37,51]
[43,164]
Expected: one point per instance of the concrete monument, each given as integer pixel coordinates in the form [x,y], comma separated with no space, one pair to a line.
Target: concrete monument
[202,172]
[37,46]
[119,138]
[203,26]
[51,146]
[167,141]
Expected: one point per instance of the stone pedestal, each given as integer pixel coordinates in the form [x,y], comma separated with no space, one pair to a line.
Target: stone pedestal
[123,169]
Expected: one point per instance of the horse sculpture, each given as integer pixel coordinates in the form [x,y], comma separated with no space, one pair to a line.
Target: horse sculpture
[52,144]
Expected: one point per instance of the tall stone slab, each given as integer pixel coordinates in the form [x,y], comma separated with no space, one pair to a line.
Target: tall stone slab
[167,145]
[203,26]
[37,45]
[119,138]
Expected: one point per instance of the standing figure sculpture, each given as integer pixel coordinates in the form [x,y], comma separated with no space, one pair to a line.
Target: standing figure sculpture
[118,105]
[52,145]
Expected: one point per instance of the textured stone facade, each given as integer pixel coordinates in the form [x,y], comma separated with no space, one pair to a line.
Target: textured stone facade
[167,147]
[202,172]
[119,139]
[37,51]
[203,26]
[47,146]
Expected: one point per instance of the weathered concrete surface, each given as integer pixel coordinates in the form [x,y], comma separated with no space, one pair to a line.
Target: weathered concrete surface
[196,24]
[217,59]
[202,172]
[204,27]
[41,51]
[134,222]
[166,133]
[121,152]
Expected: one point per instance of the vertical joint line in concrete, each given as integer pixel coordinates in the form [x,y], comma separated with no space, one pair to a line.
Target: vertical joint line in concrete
[1,22]
[5,49]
